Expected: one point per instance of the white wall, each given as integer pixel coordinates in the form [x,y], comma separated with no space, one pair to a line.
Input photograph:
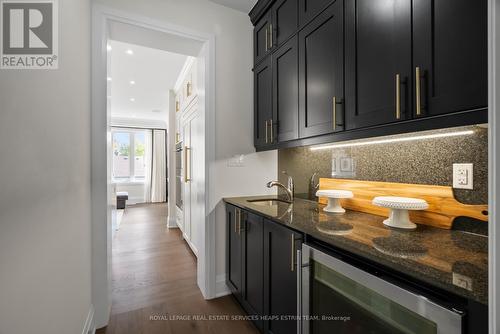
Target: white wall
[234,96]
[45,187]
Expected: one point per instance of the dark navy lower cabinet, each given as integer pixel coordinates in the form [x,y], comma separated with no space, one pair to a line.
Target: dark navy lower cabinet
[261,269]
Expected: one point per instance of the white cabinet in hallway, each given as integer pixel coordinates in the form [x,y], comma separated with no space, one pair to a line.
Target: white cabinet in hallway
[190,126]
[193,167]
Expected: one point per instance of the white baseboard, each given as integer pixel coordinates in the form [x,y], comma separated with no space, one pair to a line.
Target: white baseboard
[172,222]
[221,288]
[135,200]
[89,326]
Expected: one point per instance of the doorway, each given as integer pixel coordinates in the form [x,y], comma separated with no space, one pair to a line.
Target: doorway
[109,25]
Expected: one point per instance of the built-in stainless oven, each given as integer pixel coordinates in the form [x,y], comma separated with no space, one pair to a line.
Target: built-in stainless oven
[337,297]
[179,191]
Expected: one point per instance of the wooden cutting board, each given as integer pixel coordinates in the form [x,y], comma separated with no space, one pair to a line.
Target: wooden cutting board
[443,207]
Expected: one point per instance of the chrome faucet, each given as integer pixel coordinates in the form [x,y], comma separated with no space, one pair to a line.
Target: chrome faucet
[289,189]
[313,186]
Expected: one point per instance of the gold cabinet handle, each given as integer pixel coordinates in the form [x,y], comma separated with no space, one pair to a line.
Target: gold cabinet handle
[292,256]
[417,91]
[239,221]
[267,38]
[334,107]
[177,106]
[187,166]
[267,134]
[235,221]
[271,36]
[188,89]
[398,96]
[271,140]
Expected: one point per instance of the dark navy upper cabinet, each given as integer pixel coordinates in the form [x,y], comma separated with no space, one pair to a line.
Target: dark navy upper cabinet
[263,104]
[378,62]
[284,21]
[450,44]
[366,68]
[274,28]
[286,91]
[321,78]
[262,38]
[308,9]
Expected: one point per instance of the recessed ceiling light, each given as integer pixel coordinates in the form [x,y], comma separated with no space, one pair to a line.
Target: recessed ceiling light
[109,79]
[129,52]
[156,110]
[132,82]
[132,99]
[109,48]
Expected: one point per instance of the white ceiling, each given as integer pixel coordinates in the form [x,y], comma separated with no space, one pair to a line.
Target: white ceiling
[154,72]
[240,5]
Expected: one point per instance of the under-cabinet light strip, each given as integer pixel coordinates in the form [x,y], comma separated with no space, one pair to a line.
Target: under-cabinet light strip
[394,140]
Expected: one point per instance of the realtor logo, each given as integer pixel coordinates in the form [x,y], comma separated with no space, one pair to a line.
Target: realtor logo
[29,34]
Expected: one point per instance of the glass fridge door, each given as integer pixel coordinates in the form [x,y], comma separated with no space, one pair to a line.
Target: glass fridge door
[344,299]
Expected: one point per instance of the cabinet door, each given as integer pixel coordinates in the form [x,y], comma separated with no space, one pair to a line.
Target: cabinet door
[310,8]
[286,91]
[186,184]
[280,277]
[451,52]
[253,262]
[263,105]
[233,251]
[262,37]
[321,77]
[378,61]
[285,21]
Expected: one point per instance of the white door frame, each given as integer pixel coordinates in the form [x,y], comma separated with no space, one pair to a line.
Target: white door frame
[493,147]
[101,182]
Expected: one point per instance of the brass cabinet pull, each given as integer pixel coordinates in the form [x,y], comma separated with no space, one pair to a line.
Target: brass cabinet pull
[417,91]
[177,108]
[187,166]
[267,38]
[334,113]
[235,221]
[239,221]
[398,96]
[292,265]
[188,89]
[271,36]
[271,140]
[335,102]
[267,134]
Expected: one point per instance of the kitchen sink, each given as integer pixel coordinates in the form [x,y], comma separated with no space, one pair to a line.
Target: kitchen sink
[268,201]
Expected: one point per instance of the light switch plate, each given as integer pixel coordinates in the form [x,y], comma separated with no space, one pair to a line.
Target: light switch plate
[463,176]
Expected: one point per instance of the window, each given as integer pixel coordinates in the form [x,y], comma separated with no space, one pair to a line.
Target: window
[129,155]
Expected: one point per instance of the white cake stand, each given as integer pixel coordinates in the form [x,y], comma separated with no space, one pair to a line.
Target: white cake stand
[334,197]
[399,206]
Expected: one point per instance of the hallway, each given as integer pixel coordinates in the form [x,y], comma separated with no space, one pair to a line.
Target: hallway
[154,275]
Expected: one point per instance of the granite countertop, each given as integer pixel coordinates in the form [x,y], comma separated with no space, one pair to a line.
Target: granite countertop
[442,258]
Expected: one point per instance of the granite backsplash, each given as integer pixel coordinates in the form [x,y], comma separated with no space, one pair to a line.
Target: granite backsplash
[423,161]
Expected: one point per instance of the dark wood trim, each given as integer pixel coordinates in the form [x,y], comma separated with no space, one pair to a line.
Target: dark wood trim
[471,117]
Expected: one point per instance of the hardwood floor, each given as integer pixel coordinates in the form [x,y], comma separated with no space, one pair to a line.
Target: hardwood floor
[154,282]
